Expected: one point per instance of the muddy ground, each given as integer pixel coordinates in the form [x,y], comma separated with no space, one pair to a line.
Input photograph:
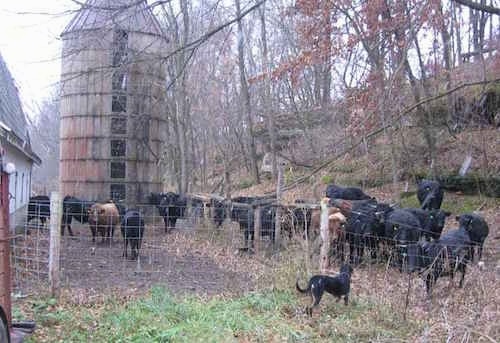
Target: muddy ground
[99,268]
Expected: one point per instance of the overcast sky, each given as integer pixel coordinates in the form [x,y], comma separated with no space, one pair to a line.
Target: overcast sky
[30,45]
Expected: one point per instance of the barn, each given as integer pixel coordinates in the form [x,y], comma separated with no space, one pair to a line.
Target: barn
[113,113]
[18,156]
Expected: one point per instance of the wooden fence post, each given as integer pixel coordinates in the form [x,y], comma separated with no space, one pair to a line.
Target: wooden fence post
[257,228]
[325,236]
[5,267]
[279,190]
[55,242]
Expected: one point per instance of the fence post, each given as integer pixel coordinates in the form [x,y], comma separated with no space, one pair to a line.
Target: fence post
[257,228]
[325,236]
[55,242]
[279,190]
[5,267]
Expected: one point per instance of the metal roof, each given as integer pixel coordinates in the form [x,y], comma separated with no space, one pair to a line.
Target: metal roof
[129,15]
[13,125]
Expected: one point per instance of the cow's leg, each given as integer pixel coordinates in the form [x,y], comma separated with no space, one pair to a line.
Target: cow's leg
[102,230]
[165,221]
[352,252]
[373,248]
[64,220]
[247,237]
[462,269]
[93,229]
[471,252]
[135,250]
[139,242]
[361,251]
[69,229]
[429,282]
[125,244]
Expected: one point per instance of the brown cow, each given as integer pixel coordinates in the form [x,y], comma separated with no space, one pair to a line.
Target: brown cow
[335,221]
[102,219]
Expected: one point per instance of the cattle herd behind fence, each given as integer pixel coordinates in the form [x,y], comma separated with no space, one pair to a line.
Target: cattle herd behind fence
[104,244]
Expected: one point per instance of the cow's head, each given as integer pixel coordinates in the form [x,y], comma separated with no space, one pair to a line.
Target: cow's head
[438,218]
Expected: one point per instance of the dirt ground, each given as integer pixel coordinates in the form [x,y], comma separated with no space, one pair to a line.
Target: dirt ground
[173,260]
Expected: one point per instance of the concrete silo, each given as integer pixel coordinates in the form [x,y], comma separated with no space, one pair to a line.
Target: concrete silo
[113,119]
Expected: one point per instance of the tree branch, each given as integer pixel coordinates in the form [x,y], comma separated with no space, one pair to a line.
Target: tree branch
[479,7]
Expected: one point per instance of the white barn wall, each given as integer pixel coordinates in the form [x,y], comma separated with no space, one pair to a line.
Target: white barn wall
[19,184]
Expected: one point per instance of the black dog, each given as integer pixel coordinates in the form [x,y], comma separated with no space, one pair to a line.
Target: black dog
[337,286]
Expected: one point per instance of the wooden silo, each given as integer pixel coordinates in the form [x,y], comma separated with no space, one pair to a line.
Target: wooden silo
[113,120]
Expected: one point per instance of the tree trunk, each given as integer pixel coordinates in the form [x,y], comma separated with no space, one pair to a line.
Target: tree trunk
[245,94]
[183,99]
[327,64]
[446,38]
[458,33]
[271,122]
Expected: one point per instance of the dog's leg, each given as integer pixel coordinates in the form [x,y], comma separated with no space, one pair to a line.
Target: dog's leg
[346,299]
[316,295]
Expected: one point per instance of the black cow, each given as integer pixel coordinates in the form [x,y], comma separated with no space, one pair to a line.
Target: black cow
[402,229]
[245,216]
[477,228]
[431,222]
[171,206]
[244,199]
[132,228]
[365,228]
[252,199]
[74,208]
[268,221]
[346,193]
[120,206]
[39,207]
[451,253]
[219,210]
[430,194]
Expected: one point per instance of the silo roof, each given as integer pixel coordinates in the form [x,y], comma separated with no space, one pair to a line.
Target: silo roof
[130,15]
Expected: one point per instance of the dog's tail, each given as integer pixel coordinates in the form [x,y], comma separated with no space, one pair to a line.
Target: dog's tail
[300,289]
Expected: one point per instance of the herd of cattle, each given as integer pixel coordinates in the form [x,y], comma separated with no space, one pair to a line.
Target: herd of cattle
[409,237]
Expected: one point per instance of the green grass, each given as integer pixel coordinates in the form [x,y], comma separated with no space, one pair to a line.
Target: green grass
[454,204]
[271,316]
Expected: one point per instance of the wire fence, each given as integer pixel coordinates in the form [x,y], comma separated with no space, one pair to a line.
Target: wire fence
[99,262]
